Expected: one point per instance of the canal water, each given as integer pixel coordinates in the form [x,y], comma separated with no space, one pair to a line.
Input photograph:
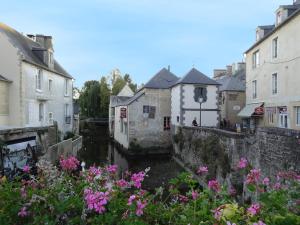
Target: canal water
[99,150]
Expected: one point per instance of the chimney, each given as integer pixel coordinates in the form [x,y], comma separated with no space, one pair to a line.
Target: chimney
[219,73]
[47,49]
[241,66]
[228,70]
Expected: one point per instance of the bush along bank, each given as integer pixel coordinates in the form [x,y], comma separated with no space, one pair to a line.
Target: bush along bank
[65,195]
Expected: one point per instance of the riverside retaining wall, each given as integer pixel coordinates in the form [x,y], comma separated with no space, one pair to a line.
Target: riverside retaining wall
[269,149]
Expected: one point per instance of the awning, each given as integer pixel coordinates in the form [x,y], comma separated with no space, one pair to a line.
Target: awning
[249,110]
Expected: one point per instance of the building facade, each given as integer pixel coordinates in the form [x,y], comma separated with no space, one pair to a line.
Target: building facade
[232,95]
[272,74]
[39,90]
[185,105]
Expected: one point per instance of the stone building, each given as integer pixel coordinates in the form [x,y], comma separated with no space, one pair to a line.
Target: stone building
[232,95]
[272,73]
[144,119]
[35,89]
[185,105]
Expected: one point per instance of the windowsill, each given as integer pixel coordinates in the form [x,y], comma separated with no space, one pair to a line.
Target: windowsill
[38,90]
[67,95]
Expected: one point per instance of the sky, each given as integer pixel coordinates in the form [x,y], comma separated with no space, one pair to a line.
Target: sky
[139,37]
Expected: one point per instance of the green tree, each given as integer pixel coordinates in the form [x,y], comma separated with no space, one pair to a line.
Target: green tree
[104,97]
[90,99]
[118,85]
[128,80]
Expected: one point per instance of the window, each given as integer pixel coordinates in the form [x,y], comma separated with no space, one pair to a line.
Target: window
[41,112]
[50,85]
[254,89]
[271,117]
[274,83]
[279,17]
[255,59]
[66,87]
[67,114]
[275,48]
[177,119]
[298,115]
[50,118]
[271,112]
[125,128]
[146,109]
[166,123]
[39,78]
[50,58]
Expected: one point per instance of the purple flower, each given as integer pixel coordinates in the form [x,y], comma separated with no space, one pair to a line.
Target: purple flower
[122,183]
[131,199]
[183,198]
[140,206]
[259,223]
[229,223]
[195,195]
[96,200]
[23,212]
[137,179]
[266,181]
[26,169]
[112,169]
[202,170]
[214,185]
[253,176]
[242,163]
[69,164]
[254,209]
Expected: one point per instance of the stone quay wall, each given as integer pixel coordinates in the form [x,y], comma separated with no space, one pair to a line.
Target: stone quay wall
[269,149]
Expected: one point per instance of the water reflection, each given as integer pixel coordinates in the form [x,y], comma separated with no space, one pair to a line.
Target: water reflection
[98,150]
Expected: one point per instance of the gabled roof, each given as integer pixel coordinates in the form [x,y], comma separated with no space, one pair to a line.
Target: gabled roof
[26,45]
[130,100]
[196,77]
[235,82]
[126,91]
[164,79]
[2,78]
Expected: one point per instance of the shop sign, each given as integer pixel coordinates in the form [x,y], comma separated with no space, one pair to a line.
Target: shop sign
[123,113]
[259,110]
[282,110]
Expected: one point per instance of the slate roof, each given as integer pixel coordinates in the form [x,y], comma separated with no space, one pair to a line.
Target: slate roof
[2,78]
[130,100]
[196,77]
[164,79]
[235,82]
[294,14]
[26,45]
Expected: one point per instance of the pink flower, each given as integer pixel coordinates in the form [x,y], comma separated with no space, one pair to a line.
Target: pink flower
[218,213]
[94,171]
[202,170]
[277,186]
[137,179]
[195,195]
[26,169]
[242,163]
[254,209]
[112,169]
[96,200]
[214,185]
[232,191]
[69,164]
[229,223]
[140,206]
[259,223]
[23,212]
[122,183]
[266,181]
[183,198]
[131,199]
[253,176]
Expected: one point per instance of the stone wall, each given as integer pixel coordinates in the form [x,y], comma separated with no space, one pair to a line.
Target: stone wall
[270,149]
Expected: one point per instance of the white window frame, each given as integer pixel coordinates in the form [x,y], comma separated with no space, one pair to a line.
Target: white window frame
[41,111]
[39,80]
[275,48]
[297,115]
[255,59]
[254,89]
[66,87]
[50,85]
[274,84]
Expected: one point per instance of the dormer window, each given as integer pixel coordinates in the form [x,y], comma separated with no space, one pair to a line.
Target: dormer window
[51,61]
[279,17]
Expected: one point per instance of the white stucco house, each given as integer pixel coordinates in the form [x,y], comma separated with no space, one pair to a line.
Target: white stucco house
[185,106]
[35,89]
[272,72]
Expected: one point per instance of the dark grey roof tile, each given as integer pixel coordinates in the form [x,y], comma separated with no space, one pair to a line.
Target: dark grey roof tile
[164,79]
[196,77]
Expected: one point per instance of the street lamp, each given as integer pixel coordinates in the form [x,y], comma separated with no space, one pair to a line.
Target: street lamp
[201,100]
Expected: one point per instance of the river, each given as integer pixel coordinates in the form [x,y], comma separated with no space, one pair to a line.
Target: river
[99,150]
